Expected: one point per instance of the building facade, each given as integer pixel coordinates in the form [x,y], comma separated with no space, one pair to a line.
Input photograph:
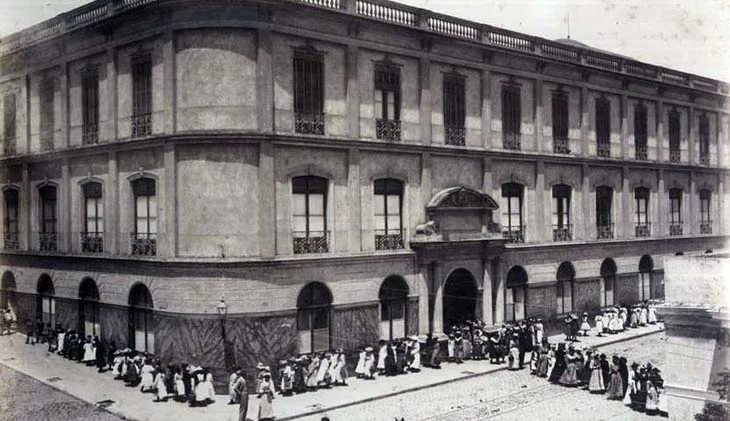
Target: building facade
[338,172]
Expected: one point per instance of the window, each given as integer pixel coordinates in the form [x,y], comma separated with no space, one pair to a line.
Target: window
[560,122]
[516,294]
[387,101]
[675,154]
[454,110]
[144,237]
[646,281]
[643,226]
[512,227]
[564,290]
[47,120]
[640,132]
[675,211]
[604,220]
[90,107]
[89,308]
[11,240]
[141,96]
[705,221]
[603,127]
[308,91]
[388,214]
[608,278]
[48,237]
[562,228]
[9,124]
[141,319]
[704,140]
[393,304]
[45,301]
[511,117]
[309,210]
[92,239]
[313,318]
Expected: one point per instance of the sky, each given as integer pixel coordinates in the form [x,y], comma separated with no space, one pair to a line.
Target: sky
[691,36]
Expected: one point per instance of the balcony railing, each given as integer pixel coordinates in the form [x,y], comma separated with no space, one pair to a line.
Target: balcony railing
[704,159]
[388,241]
[514,234]
[643,229]
[144,244]
[9,147]
[11,241]
[706,227]
[455,136]
[561,146]
[90,134]
[642,152]
[511,141]
[676,228]
[311,242]
[604,232]
[604,150]
[309,123]
[92,242]
[675,155]
[141,125]
[563,232]
[48,241]
[387,129]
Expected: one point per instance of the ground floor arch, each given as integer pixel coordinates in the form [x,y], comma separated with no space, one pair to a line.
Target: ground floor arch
[46,300]
[393,297]
[89,323]
[646,278]
[516,294]
[141,319]
[8,300]
[460,298]
[314,307]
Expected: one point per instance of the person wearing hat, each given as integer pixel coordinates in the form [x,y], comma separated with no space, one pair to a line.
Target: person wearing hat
[631,389]
[451,348]
[323,380]
[265,394]
[369,367]
[232,400]
[584,325]
[311,375]
[360,367]
[240,392]
[415,353]
[382,354]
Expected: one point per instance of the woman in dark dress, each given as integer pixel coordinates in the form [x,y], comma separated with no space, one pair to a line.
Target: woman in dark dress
[100,355]
[605,369]
[585,370]
[390,367]
[559,364]
[400,358]
[300,385]
[623,371]
[615,387]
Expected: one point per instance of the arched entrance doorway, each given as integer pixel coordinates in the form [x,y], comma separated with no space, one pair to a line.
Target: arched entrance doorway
[608,282]
[646,280]
[564,290]
[45,302]
[89,308]
[313,317]
[141,321]
[516,298]
[393,307]
[460,298]
[7,293]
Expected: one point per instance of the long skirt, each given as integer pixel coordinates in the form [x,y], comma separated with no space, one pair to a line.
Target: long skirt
[467,350]
[266,409]
[514,358]
[435,359]
[595,384]
[570,375]
[615,387]
[542,365]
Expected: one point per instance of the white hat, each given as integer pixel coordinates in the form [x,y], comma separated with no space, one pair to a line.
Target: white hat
[414,338]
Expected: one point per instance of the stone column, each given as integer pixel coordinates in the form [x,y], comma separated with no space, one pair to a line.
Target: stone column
[540,229]
[111,83]
[723,215]
[693,218]
[662,198]
[425,184]
[168,86]
[170,203]
[624,226]
[660,138]
[584,121]
[265,81]
[353,92]
[625,152]
[487,306]
[353,193]
[692,127]
[424,298]
[65,230]
[486,104]
[438,305]
[425,100]
[539,147]
[487,179]
[587,225]
[721,132]
[26,230]
[499,287]
[63,89]
[112,201]
[267,201]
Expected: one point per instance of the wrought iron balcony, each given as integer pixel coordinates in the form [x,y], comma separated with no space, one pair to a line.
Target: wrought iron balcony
[675,155]
[604,232]
[561,146]
[511,141]
[11,241]
[389,240]
[706,227]
[563,232]
[387,129]
[603,150]
[144,244]
[514,234]
[311,242]
[9,147]
[642,152]
[643,229]
[704,159]
[676,228]
[141,125]
[455,136]
[309,123]
[92,242]
[90,134]
[48,241]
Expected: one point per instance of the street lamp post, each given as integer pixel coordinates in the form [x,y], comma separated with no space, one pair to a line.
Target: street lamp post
[222,310]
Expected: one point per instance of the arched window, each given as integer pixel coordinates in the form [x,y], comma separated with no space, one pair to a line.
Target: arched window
[11,226]
[144,237]
[675,211]
[562,228]
[7,292]
[313,317]
[48,237]
[141,319]
[89,308]
[565,278]
[388,214]
[92,239]
[513,227]
[641,216]
[516,294]
[393,307]
[46,303]
[604,212]
[646,266]
[608,281]
[309,215]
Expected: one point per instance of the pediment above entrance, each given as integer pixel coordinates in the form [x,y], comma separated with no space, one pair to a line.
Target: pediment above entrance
[461,198]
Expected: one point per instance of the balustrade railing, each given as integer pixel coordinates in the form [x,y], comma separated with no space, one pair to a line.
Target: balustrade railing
[669,76]
[389,12]
[450,27]
[510,40]
[143,244]
[561,146]
[642,229]
[310,242]
[706,227]
[455,136]
[675,155]
[309,123]
[676,228]
[605,62]
[604,232]
[514,234]
[92,242]
[48,241]
[141,125]
[704,159]
[511,141]
[11,241]
[640,69]
[388,240]
[332,4]
[603,150]
[90,134]
[129,4]
[9,147]
[563,232]
[559,51]
[641,152]
[387,129]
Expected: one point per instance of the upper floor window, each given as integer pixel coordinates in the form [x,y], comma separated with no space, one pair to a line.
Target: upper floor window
[388,214]
[387,101]
[141,96]
[562,228]
[705,213]
[560,122]
[90,107]
[704,139]
[603,127]
[604,212]
[454,110]
[308,92]
[675,211]
[309,215]
[48,240]
[144,237]
[640,132]
[11,221]
[512,224]
[9,123]
[92,239]
[643,226]
[675,135]
[511,117]
[47,119]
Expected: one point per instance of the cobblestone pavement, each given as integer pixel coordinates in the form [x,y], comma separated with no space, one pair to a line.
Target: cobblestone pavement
[25,399]
[509,395]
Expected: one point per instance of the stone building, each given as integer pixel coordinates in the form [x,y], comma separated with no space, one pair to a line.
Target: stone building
[337,171]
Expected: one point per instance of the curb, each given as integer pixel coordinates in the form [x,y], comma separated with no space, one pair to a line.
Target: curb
[441,383]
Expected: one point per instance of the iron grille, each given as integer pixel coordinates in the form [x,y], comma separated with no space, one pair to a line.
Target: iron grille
[642,152]
[387,129]
[561,146]
[388,241]
[704,159]
[144,244]
[675,155]
[514,234]
[604,232]
[9,147]
[511,141]
[706,227]
[309,123]
[92,242]
[310,242]
[604,150]
[676,229]
[11,241]
[643,229]
[141,125]
[455,136]
[563,232]
[308,91]
[48,241]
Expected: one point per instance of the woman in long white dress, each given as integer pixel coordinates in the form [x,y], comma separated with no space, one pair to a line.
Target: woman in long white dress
[360,368]
[415,351]
[643,317]
[651,317]
[209,386]
[179,385]
[382,353]
[89,354]
[631,385]
[266,395]
[201,388]
[159,384]
[369,364]
[147,376]
[324,365]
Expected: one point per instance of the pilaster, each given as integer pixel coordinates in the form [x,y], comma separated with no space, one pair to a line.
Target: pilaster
[660,137]
[111,191]
[170,101]
[662,198]
[587,226]
[353,193]
[425,100]
[538,116]
[625,153]
[425,183]
[692,127]
[265,78]
[487,306]
[721,132]
[721,197]
[266,201]
[170,203]
[540,229]
[63,118]
[486,104]
[27,93]
[694,215]
[584,121]
[26,232]
[487,180]
[499,287]
[438,307]
[353,92]
[111,82]
[65,231]
[624,226]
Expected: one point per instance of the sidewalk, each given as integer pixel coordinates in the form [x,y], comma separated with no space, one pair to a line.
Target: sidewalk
[88,385]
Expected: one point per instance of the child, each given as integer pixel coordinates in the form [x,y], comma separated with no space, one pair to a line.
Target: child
[599,325]
[585,326]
